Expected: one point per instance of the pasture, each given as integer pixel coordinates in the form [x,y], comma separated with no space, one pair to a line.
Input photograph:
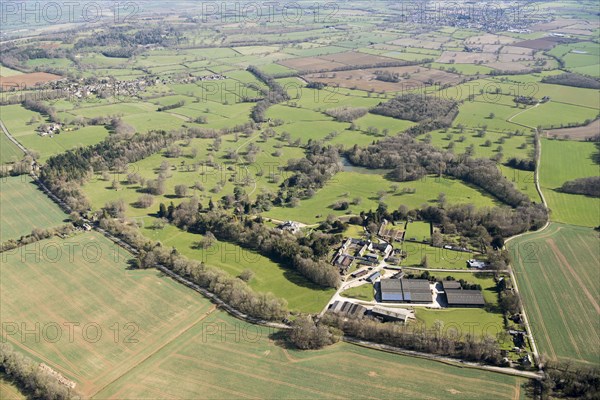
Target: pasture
[564,161]
[9,152]
[8,391]
[369,187]
[25,207]
[227,358]
[557,272]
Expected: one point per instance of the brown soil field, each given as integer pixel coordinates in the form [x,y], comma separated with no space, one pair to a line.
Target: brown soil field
[509,66]
[515,50]
[357,58]
[539,44]
[310,64]
[556,24]
[425,44]
[465,58]
[364,79]
[32,79]
[579,133]
[489,39]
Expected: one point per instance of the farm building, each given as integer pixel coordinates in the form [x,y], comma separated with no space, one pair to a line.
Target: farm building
[360,273]
[392,315]
[405,291]
[476,264]
[347,308]
[464,298]
[449,285]
[373,277]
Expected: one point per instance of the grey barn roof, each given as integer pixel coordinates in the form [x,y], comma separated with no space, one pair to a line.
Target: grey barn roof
[405,290]
[451,285]
[465,297]
[348,308]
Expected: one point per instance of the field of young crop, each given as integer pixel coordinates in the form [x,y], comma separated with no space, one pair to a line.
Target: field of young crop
[557,273]
[9,152]
[110,318]
[25,207]
[564,161]
[227,358]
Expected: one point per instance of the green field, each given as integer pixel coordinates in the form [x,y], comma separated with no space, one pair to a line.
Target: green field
[419,230]
[557,273]
[463,321]
[364,292]
[564,161]
[91,284]
[9,152]
[366,184]
[211,358]
[25,207]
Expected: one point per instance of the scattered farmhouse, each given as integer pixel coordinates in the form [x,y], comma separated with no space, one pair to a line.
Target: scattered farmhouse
[363,251]
[290,226]
[476,264]
[405,291]
[49,129]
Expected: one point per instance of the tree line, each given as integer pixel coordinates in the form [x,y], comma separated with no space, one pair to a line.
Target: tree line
[275,95]
[572,79]
[434,340]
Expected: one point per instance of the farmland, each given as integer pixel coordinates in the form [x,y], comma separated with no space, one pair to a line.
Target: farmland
[203,360]
[556,271]
[204,136]
[101,291]
[563,161]
[25,207]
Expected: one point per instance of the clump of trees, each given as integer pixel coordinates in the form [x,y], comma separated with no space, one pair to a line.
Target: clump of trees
[30,378]
[586,186]
[171,106]
[416,108]
[346,113]
[520,163]
[310,173]
[571,79]
[36,235]
[307,334]
[387,76]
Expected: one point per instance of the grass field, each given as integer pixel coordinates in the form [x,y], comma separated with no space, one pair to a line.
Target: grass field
[366,185]
[24,207]
[91,285]
[564,161]
[211,358]
[463,321]
[9,152]
[364,292]
[419,230]
[557,273]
